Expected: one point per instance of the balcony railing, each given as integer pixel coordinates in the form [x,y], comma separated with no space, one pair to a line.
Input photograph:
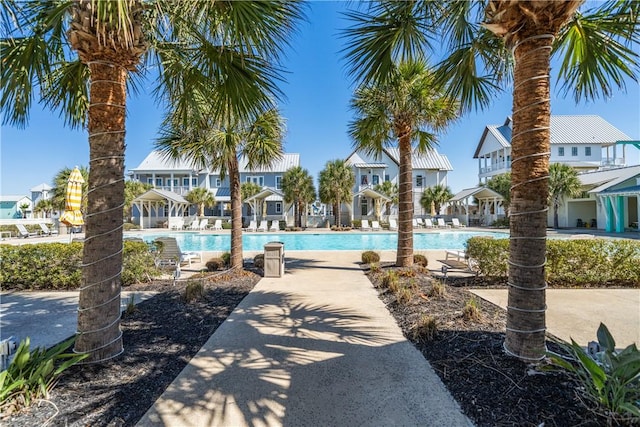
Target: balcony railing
[504,166]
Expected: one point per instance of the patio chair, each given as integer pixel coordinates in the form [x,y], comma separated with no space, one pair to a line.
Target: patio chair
[420,222]
[46,230]
[441,224]
[428,223]
[170,254]
[176,223]
[195,224]
[217,225]
[393,225]
[252,226]
[23,232]
[264,225]
[375,225]
[415,223]
[364,225]
[204,223]
[275,226]
[455,222]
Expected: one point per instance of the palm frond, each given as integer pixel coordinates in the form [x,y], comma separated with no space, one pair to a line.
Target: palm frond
[66,91]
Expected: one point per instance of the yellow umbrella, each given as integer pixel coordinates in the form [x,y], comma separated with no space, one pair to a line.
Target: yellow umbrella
[73,200]
[433,208]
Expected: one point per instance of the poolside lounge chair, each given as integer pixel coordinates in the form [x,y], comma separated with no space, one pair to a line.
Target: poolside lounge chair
[441,224]
[364,225]
[275,225]
[195,225]
[415,223]
[217,225]
[171,255]
[428,223]
[456,223]
[420,222]
[22,230]
[46,230]
[393,225]
[204,223]
[264,225]
[252,226]
[176,223]
[375,225]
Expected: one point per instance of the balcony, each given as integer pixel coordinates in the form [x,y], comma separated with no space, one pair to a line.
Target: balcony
[176,189]
[611,162]
[495,168]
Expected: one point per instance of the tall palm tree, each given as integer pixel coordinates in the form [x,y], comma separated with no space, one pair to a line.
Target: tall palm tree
[336,183]
[438,195]
[501,184]
[599,50]
[202,198]
[79,58]
[297,186]
[220,146]
[406,110]
[390,190]
[563,182]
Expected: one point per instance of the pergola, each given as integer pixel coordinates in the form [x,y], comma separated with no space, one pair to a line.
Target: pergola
[377,197]
[488,201]
[260,199]
[154,202]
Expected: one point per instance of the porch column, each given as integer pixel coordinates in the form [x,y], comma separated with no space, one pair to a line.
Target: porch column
[621,216]
[608,214]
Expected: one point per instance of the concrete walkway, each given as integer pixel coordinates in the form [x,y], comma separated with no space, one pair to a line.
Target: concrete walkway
[314,348]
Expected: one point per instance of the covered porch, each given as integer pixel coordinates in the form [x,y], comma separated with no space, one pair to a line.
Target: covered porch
[368,204]
[161,208]
[268,204]
[488,209]
[621,208]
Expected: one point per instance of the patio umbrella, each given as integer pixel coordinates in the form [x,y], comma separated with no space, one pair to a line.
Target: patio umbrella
[73,200]
[433,208]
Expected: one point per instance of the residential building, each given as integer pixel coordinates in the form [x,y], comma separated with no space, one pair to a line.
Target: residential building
[41,192]
[10,206]
[178,177]
[585,142]
[429,169]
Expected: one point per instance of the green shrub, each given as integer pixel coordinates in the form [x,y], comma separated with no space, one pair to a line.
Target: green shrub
[258,261]
[420,259]
[138,264]
[215,264]
[609,378]
[226,257]
[375,268]
[369,257]
[32,374]
[437,289]
[127,226]
[356,223]
[490,254]
[390,280]
[194,291]
[471,310]
[501,222]
[403,295]
[226,225]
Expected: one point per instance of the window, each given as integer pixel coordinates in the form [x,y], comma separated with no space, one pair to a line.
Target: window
[185,181]
[560,151]
[364,207]
[278,207]
[175,182]
[256,180]
[587,151]
[364,180]
[574,151]
[159,182]
[387,178]
[218,182]
[418,180]
[375,180]
[194,182]
[150,181]
[278,182]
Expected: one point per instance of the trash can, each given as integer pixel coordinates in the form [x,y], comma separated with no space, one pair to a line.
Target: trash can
[274,259]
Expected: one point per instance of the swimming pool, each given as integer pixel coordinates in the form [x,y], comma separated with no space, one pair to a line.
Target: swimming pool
[308,241]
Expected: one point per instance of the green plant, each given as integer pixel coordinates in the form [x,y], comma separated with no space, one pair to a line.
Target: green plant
[193,291]
[215,264]
[437,289]
[501,222]
[390,280]
[403,295]
[369,257]
[609,378]
[375,268]
[258,261]
[471,310]
[32,374]
[131,305]
[226,257]
[420,259]
[425,329]
[407,272]
[356,223]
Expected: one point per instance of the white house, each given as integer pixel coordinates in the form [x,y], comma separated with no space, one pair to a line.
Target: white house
[429,169]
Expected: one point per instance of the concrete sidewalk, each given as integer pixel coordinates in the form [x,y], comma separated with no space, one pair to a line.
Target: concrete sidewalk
[314,348]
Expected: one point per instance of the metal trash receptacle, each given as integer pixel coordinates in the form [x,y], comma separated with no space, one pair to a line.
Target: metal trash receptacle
[274,259]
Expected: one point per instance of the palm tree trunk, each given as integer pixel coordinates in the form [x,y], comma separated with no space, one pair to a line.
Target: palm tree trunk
[525,333]
[99,305]
[236,214]
[336,214]
[555,215]
[404,256]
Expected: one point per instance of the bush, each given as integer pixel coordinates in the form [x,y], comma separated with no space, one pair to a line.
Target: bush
[369,257]
[425,329]
[403,295]
[501,223]
[215,264]
[420,259]
[390,280]
[194,291]
[127,226]
[32,374]
[356,223]
[258,261]
[490,254]
[375,268]
[437,289]
[226,257]
[57,266]
[471,310]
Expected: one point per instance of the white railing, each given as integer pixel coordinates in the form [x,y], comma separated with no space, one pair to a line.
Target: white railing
[496,167]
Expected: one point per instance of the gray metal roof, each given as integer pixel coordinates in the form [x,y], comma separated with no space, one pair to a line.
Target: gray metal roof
[635,189]
[157,161]
[288,161]
[41,187]
[429,160]
[222,194]
[608,178]
[12,198]
[479,192]
[371,165]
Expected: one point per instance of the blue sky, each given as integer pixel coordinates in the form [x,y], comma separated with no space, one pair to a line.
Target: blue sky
[318,91]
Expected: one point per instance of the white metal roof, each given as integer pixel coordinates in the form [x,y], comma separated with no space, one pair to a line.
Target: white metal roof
[288,161]
[157,194]
[608,178]
[478,192]
[41,187]
[12,198]
[429,160]
[157,161]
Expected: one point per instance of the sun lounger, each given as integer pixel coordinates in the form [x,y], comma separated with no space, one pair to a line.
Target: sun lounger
[375,225]
[456,223]
[170,254]
[415,223]
[428,223]
[364,225]
[195,225]
[252,226]
[393,225]
[420,222]
[458,255]
[275,226]
[23,232]
[217,225]
[204,223]
[46,230]
[264,225]
[441,224]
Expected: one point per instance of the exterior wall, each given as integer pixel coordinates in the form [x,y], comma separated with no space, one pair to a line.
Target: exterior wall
[9,210]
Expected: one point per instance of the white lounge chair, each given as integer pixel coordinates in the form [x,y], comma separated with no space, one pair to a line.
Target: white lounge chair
[176,223]
[264,225]
[375,225]
[195,225]
[393,225]
[364,225]
[217,225]
[275,226]
[441,224]
[204,223]
[252,226]
[428,223]
[420,222]
[22,230]
[46,230]
[415,223]
[455,222]
[171,255]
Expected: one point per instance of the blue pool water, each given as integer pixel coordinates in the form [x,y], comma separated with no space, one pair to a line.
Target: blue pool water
[321,241]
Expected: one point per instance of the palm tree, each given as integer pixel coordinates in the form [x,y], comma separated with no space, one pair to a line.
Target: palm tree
[133,189]
[202,198]
[501,184]
[248,189]
[23,209]
[233,47]
[390,190]
[336,183]
[438,195]
[297,186]
[563,182]
[45,206]
[405,110]
[220,146]
[599,51]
